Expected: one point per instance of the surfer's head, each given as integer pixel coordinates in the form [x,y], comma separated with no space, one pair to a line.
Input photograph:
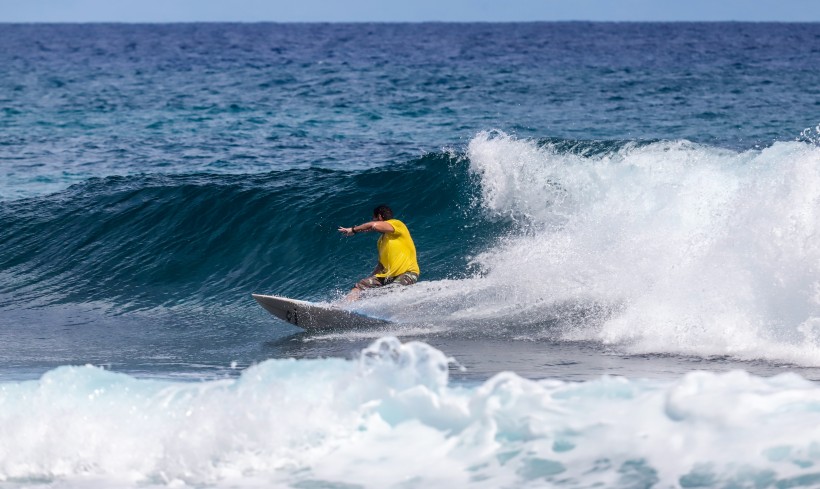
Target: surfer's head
[382,211]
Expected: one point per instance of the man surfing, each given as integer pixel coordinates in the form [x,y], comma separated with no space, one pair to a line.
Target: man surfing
[397,252]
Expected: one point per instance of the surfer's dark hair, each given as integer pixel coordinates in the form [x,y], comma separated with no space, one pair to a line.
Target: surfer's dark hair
[383,211]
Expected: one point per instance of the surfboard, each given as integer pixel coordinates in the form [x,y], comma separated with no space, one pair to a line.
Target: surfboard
[315,317]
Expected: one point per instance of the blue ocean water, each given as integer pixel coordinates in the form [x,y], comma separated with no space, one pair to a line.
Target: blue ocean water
[616,223]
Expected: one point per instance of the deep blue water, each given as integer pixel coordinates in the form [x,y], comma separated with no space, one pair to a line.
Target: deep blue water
[81,101]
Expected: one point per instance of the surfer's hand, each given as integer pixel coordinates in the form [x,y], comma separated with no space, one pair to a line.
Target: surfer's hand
[346,231]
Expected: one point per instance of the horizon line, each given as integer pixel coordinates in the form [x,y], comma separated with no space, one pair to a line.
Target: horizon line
[172,22]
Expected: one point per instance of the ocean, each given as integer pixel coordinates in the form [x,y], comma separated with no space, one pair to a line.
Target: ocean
[617,226]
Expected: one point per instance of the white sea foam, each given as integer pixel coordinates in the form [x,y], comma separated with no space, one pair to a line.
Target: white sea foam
[390,419]
[665,247]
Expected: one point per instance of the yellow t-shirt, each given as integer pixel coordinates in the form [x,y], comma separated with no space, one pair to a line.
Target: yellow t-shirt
[397,252]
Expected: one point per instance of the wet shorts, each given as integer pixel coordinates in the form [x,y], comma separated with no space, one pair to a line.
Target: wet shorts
[407,278]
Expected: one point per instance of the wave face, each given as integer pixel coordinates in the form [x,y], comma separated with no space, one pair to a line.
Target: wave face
[146,241]
[665,246]
[390,417]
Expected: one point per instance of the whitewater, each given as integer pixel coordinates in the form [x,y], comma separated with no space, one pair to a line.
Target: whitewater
[390,418]
[663,247]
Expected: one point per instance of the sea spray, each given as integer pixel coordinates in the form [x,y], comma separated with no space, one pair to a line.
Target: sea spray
[706,251]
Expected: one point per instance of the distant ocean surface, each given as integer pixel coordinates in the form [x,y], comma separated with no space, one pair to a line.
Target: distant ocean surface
[618,228]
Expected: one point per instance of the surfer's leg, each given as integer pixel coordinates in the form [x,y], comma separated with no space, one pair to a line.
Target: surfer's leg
[365,283]
[407,278]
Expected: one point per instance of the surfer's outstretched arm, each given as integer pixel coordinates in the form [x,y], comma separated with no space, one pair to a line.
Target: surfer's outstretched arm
[380,226]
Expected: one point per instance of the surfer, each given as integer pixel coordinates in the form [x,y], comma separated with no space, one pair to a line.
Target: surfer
[397,252]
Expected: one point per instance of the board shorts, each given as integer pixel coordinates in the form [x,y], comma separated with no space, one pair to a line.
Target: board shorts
[406,278]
